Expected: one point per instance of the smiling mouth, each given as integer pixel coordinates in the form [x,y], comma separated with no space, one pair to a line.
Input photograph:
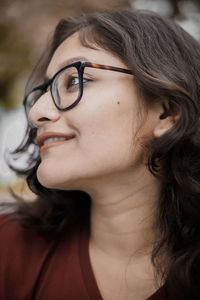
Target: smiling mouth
[54,144]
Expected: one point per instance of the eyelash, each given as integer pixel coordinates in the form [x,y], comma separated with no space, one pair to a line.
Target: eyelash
[71,79]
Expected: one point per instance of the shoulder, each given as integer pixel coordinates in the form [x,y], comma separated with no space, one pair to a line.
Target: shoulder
[9,230]
[15,239]
[27,259]
[21,253]
[13,233]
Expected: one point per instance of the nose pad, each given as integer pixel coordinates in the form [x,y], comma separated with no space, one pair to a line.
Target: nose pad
[44,110]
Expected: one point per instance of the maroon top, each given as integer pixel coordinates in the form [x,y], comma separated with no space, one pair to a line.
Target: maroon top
[32,268]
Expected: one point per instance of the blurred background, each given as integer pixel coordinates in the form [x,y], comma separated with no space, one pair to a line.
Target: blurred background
[25,26]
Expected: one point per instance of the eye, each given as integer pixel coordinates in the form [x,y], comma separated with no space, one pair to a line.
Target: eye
[85,80]
[73,81]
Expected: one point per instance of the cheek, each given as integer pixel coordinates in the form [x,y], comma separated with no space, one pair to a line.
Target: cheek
[108,132]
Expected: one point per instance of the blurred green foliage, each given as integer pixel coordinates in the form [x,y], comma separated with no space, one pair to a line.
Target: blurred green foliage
[15,57]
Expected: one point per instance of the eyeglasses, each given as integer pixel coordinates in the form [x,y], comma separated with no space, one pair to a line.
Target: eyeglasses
[66,86]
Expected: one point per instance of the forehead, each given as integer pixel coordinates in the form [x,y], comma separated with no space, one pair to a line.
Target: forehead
[71,50]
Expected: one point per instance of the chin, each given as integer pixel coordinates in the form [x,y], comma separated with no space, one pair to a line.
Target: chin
[51,180]
[46,179]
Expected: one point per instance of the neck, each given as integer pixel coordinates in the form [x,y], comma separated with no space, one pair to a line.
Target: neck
[123,217]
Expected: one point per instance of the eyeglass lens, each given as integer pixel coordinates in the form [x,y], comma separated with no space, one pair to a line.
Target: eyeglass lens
[65,89]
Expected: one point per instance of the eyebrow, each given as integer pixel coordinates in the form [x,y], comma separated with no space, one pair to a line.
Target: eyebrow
[66,63]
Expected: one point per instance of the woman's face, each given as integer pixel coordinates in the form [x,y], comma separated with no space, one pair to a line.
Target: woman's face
[105,123]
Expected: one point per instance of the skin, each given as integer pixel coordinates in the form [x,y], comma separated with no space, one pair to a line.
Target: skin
[107,160]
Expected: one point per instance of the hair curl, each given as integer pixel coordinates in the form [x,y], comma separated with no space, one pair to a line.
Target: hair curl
[166,64]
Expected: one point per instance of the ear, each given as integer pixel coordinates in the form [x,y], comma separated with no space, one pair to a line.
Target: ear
[169,114]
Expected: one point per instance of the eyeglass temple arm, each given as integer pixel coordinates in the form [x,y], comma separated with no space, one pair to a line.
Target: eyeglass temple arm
[111,68]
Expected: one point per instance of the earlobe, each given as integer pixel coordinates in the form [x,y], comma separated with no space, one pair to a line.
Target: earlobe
[161,129]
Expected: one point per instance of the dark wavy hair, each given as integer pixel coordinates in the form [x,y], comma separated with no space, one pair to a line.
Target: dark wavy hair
[165,61]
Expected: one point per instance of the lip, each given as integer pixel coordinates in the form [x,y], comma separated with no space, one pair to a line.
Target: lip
[53,144]
[46,135]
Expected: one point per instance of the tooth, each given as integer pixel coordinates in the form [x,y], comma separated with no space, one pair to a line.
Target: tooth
[55,139]
[52,140]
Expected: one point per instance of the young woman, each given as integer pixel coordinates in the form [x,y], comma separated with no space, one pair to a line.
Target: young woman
[113,148]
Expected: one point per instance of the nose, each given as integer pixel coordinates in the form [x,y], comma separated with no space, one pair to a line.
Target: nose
[43,111]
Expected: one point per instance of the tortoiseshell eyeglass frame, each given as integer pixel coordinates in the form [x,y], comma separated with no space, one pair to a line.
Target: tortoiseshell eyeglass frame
[80,66]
